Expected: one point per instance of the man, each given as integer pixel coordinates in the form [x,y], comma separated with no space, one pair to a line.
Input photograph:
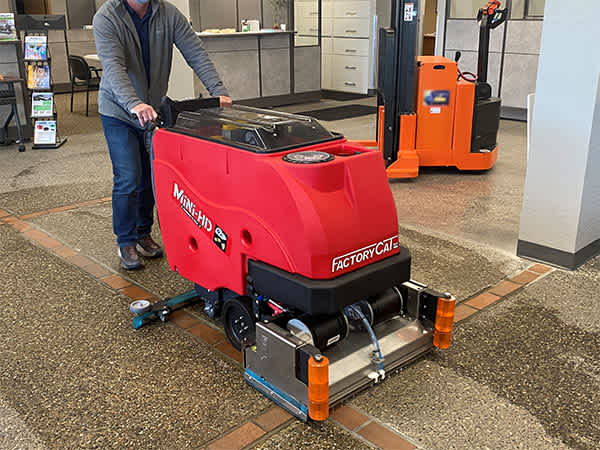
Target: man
[134,41]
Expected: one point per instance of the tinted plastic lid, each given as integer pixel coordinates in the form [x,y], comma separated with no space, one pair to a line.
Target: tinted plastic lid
[253,129]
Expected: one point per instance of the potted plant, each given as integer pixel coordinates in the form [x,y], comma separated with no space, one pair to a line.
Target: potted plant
[278,6]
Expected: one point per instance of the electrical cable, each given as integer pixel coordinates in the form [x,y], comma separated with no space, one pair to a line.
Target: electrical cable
[467,76]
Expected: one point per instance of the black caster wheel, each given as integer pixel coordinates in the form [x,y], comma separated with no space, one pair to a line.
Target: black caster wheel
[21,148]
[238,321]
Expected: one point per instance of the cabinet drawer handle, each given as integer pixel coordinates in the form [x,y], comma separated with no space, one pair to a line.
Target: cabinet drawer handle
[348,13]
[314,13]
[350,50]
[314,29]
[348,83]
[351,67]
[350,31]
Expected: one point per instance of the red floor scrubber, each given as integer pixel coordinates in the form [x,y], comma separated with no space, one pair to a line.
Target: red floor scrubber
[290,234]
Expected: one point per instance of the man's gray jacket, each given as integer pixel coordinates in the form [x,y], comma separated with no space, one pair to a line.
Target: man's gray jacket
[124,83]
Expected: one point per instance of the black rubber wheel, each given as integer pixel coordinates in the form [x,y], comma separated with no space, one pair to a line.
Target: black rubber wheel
[238,321]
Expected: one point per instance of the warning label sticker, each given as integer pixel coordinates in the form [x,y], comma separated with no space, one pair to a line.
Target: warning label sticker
[409,12]
[436,98]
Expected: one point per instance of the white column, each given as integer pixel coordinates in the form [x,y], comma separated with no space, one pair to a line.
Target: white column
[560,221]
[181,82]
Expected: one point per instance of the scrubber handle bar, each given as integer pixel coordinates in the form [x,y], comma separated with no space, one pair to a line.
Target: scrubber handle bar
[169,110]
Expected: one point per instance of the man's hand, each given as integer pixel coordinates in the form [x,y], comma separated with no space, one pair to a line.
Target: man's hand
[225,101]
[145,113]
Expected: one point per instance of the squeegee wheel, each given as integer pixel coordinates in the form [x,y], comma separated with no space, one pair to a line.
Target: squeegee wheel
[238,321]
[139,307]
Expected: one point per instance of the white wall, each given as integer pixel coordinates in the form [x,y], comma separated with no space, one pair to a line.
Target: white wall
[561,205]
[5,6]
[181,83]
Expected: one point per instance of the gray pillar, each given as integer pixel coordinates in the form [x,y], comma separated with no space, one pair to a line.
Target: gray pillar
[560,221]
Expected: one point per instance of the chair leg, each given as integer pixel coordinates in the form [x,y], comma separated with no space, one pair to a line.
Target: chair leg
[72,94]
[87,100]
[19,132]
[4,139]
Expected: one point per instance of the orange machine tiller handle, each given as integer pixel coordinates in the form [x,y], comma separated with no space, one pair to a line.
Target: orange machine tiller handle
[318,387]
[444,319]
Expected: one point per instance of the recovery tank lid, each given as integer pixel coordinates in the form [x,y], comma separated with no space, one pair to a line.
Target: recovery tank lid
[253,129]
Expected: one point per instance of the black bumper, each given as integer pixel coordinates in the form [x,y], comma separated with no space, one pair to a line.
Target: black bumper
[329,296]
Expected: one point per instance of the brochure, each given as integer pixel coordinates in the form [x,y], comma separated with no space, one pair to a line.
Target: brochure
[8,32]
[38,76]
[42,104]
[45,132]
[36,48]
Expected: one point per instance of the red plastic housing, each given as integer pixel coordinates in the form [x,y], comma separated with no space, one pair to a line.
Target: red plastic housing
[220,206]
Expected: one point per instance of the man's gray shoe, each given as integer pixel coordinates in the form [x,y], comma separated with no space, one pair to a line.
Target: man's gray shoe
[130,260]
[148,248]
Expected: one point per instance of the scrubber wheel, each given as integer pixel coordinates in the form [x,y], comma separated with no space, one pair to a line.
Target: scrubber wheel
[238,321]
[139,307]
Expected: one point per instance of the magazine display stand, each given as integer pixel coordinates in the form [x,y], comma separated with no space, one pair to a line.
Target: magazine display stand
[38,75]
[14,98]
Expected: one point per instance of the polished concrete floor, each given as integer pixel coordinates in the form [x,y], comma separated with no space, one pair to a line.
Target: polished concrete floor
[523,373]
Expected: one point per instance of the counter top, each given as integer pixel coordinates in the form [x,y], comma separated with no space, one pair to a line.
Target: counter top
[239,33]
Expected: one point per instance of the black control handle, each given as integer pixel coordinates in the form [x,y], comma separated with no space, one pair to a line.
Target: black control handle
[499,18]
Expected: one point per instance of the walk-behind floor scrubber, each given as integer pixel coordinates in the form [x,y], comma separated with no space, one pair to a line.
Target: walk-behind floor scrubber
[290,234]
[431,113]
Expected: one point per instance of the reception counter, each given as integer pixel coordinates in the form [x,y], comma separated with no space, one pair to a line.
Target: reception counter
[262,68]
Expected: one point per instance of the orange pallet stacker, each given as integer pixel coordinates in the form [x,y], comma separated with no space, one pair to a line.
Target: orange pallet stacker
[431,113]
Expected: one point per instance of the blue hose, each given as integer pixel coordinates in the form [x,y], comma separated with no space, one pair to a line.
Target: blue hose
[356,310]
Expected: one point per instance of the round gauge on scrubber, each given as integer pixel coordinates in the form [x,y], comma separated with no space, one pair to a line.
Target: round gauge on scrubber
[308,157]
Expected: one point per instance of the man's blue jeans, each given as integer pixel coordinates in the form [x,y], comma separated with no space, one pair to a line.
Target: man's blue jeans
[132,197]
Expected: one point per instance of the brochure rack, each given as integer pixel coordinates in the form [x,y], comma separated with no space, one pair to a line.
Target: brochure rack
[38,75]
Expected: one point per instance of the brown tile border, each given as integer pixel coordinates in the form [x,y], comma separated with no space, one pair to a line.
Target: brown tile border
[135,292]
[540,268]
[348,417]
[9,219]
[62,208]
[384,438]
[21,226]
[32,215]
[238,438]
[44,212]
[504,288]
[227,348]
[272,419]
[463,311]
[115,281]
[483,300]
[368,429]
[207,333]
[64,251]
[96,270]
[79,260]
[525,277]
[183,320]
[253,431]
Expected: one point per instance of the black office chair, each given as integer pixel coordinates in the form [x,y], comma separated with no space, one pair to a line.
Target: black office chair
[8,96]
[81,75]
